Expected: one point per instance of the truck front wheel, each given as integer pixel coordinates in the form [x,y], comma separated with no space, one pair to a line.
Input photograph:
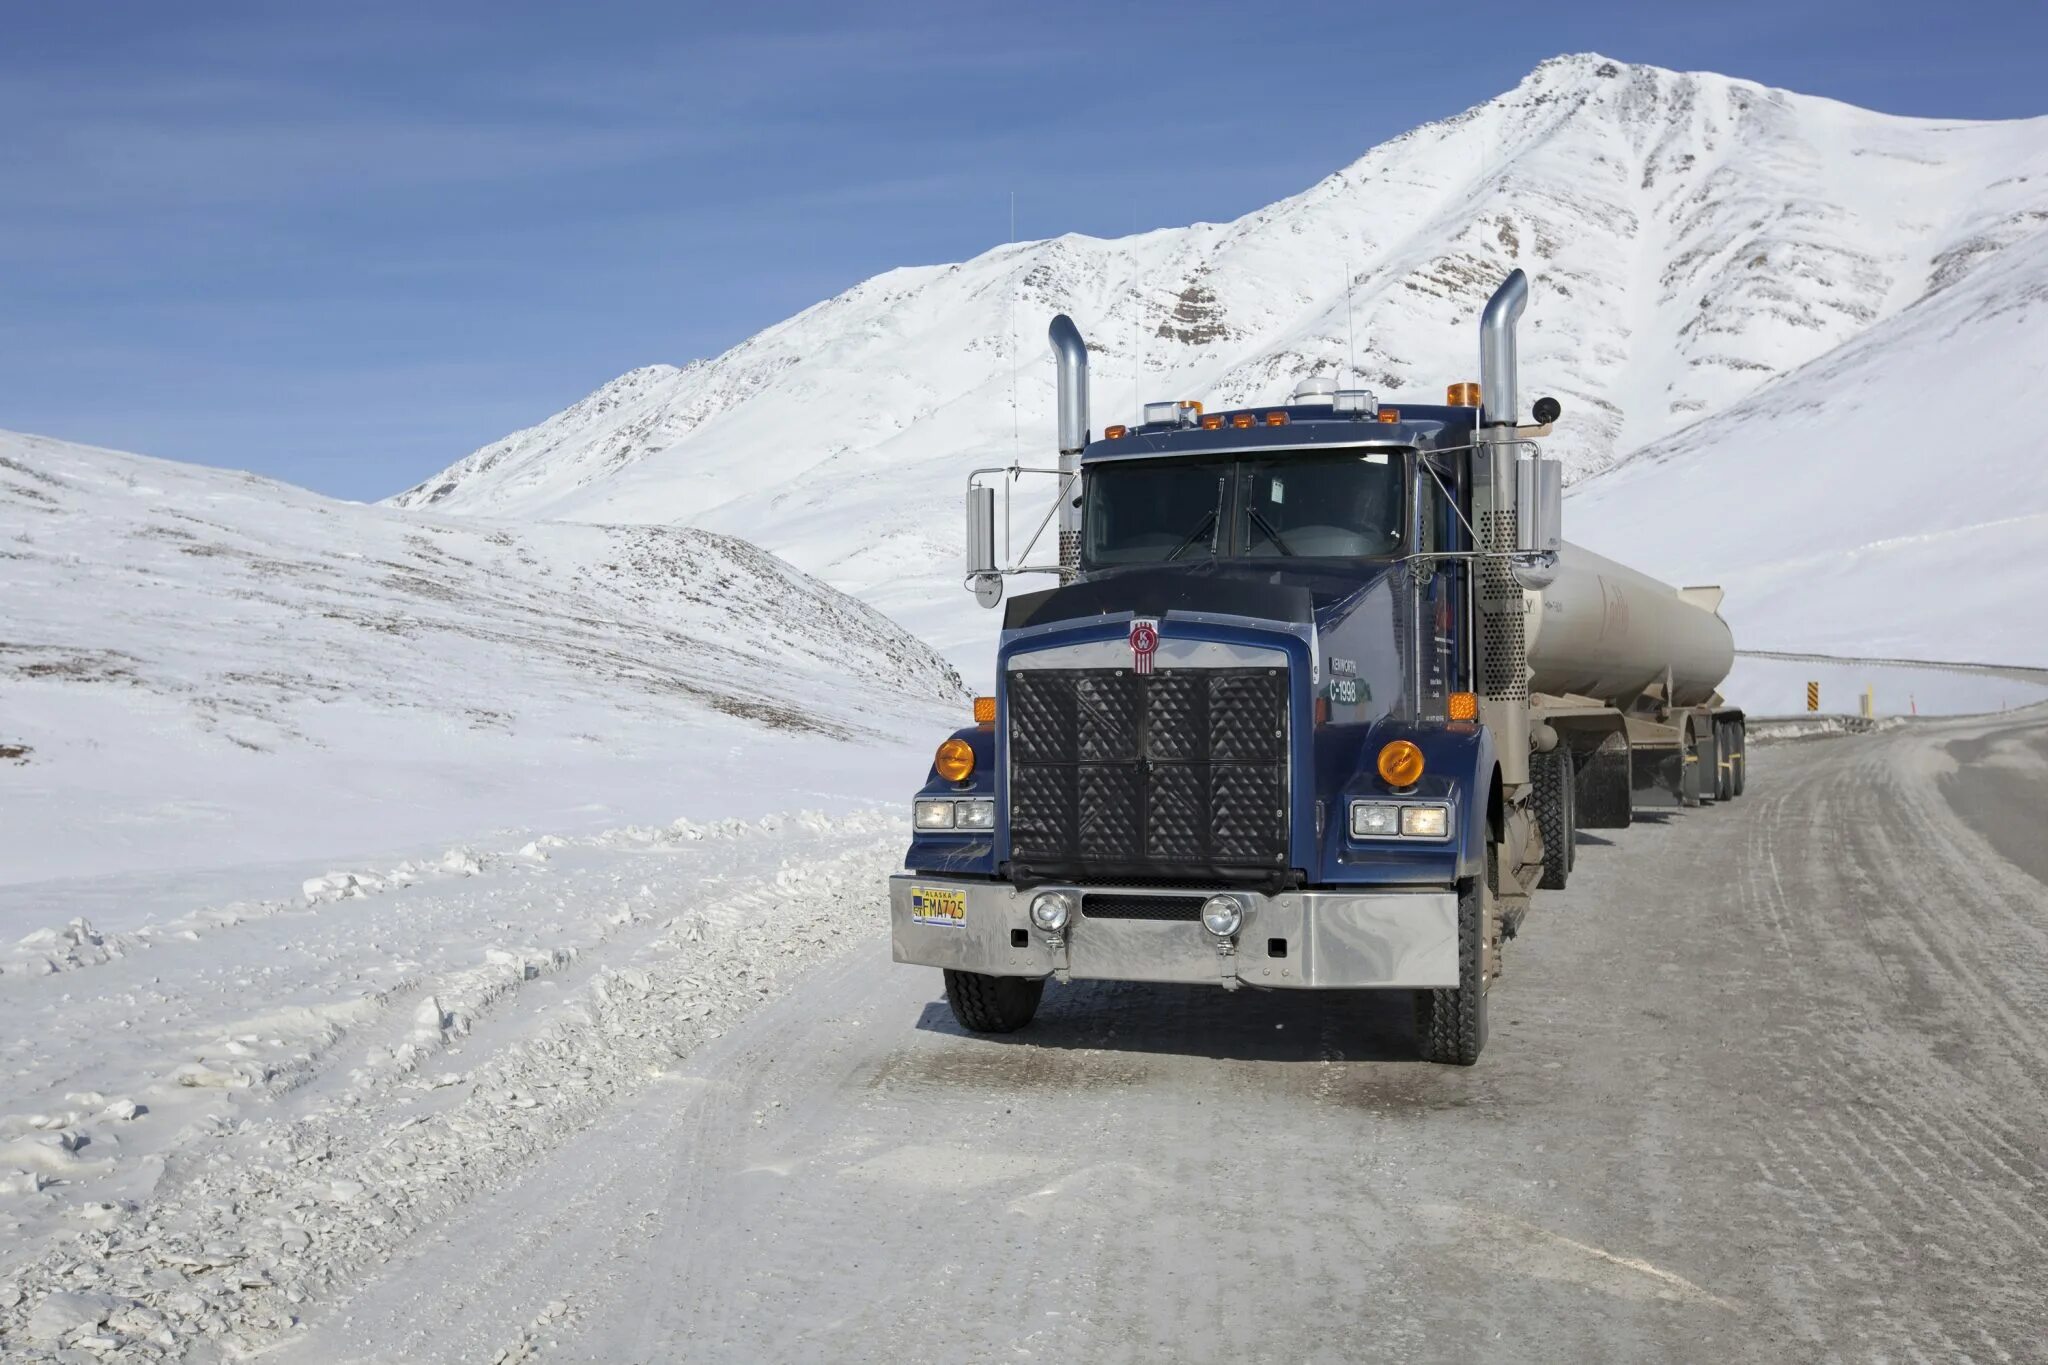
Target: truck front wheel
[1450,1022]
[992,1004]
[1556,812]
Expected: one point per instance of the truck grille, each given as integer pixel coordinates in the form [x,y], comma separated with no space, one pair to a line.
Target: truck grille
[1174,775]
[1142,907]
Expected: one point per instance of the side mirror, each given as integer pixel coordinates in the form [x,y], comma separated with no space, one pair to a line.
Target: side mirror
[1539,506]
[981,546]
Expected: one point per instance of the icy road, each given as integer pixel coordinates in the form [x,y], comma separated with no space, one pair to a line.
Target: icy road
[1769,1082]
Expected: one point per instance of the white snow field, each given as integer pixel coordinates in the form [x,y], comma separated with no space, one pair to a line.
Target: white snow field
[218,667]
[1691,239]
[350,858]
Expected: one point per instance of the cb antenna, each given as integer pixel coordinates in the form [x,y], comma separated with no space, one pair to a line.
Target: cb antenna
[1350,333]
[1016,440]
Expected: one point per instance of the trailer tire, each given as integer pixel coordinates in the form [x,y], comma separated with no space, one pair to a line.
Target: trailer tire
[1450,1021]
[1557,813]
[992,1004]
[1724,763]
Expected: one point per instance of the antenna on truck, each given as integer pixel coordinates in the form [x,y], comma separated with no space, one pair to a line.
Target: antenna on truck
[1350,333]
[1016,441]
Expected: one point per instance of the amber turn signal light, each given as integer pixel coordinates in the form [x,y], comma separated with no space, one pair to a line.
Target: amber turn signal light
[1400,764]
[1463,706]
[984,710]
[955,760]
[1464,395]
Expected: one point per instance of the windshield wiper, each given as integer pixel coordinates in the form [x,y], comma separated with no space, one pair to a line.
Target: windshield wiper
[1213,523]
[1258,519]
[1200,530]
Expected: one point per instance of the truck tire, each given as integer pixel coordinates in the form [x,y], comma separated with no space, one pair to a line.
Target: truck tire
[1450,1022]
[1724,765]
[1741,730]
[992,1004]
[1556,812]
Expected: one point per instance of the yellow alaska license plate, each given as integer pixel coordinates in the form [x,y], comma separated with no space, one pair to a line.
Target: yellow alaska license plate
[936,905]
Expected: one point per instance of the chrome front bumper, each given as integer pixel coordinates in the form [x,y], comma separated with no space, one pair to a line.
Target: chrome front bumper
[1333,940]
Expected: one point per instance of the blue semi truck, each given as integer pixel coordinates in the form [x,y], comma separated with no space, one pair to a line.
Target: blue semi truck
[1320,701]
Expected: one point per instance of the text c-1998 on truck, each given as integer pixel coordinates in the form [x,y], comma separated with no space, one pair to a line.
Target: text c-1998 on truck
[1320,702]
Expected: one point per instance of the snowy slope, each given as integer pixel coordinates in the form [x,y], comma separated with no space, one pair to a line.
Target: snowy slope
[1881,501]
[200,668]
[1691,236]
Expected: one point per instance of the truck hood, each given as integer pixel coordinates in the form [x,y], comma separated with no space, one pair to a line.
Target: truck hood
[1292,595]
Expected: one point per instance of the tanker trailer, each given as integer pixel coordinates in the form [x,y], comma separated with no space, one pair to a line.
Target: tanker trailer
[1319,703]
[1623,677]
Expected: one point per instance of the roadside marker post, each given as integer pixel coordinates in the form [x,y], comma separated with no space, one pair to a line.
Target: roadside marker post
[1813,696]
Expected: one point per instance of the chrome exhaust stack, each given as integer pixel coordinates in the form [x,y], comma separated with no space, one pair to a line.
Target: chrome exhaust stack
[1497,485]
[1072,354]
[1499,365]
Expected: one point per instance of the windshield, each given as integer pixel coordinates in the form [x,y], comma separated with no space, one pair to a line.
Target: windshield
[1335,505]
[1320,506]
[1151,511]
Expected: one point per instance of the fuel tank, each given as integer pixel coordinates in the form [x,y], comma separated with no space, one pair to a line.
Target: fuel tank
[1603,630]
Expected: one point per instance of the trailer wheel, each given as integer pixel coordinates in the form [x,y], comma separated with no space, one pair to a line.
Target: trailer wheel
[992,1004]
[1557,813]
[1724,765]
[1740,730]
[1450,1021]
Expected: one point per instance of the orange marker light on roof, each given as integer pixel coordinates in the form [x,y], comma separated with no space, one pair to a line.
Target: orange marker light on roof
[1213,421]
[1390,414]
[1276,419]
[1462,395]
[1114,433]
[1242,419]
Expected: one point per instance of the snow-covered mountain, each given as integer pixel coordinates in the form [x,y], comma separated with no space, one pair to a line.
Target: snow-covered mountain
[1881,501]
[222,669]
[1692,237]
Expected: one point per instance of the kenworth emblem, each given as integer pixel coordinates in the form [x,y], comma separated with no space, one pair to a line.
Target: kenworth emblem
[1144,644]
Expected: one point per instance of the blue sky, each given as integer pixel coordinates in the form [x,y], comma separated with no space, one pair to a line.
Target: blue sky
[345,244]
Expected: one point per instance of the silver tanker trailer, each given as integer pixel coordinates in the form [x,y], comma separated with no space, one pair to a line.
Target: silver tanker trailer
[1321,700]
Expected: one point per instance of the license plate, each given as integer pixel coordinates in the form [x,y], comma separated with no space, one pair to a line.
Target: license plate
[937,905]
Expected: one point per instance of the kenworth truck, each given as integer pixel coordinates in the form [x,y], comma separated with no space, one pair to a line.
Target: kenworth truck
[1320,701]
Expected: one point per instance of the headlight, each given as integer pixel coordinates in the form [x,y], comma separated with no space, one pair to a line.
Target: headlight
[1370,820]
[933,815]
[1221,915]
[1425,822]
[1050,910]
[976,815]
[1401,820]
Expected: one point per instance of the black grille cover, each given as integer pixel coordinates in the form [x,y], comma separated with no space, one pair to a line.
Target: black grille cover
[1097,906]
[1174,775]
